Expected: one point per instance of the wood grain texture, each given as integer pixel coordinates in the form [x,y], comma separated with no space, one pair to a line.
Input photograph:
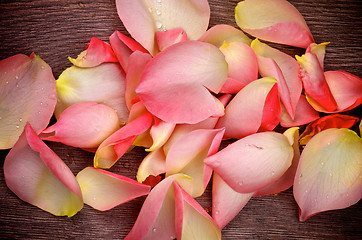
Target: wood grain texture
[56,29]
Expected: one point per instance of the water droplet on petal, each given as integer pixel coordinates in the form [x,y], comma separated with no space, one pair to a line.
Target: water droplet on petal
[331,174]
[17,85]
[159,1]
[41,103]
[273,172]
[42,67]
[217,212]
[241,183]
[53,96]
[7,82]
[154,230]
[322,163]
[16,77]
[17,127]
[20,119]
[158,12]
[158,24]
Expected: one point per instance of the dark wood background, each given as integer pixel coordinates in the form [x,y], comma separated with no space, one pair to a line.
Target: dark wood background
[56,29]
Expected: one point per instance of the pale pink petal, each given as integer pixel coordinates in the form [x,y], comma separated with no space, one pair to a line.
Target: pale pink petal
[143,19]
[156,219]
[170,37]
[246,107]
[282,67]
[217,34]
[304,113]
[329,175]
[187,156]
[273,20]
[287,179]
[346,89]
[175,84]
[314,82]
[160,133]
[102,84]
[38,176]
[319,50]
[119,142]
[191,220]
[104,190]
[96,53]
[27,94]
[253,162]
[243,65]
[226,203]
[153,164]
[83,125]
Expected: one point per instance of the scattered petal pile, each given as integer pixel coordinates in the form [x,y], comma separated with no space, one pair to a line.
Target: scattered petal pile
[178,90]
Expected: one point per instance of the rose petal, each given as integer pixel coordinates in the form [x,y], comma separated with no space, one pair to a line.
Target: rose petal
[273,20]
[218,34]
[38,176]
[152,165]
[18,75]
[170,37]
[104,190]
[253,162]
[329,175]
[160,133]
[319,50]
[174,86]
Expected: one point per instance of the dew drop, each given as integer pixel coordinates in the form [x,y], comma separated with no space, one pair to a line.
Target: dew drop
[158,24]
[322,163]
[241,183]
[94,198]
[7,82]
[159,1]
[301,175]
[53,96]
[306,191]
[38,112]
[42,67]
[154,230]
[158,12]
[16,77]
[41,103]
[328,143]
[273,173]
[17,127]
[20,119]
[327,196]
[331,174]
[217,212]
[17,85]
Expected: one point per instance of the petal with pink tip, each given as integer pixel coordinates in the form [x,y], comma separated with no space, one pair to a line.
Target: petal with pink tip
[104,190]
[102,84]
[253,162]
[323,123]
[192,221]
[247,107]
[156,219]
[273,20]
[96,53]
[319,50]
[304,113]
[346,89]
[153,164]
[160,133]
[38,176]
[175,84]
[243,65]
[83,125]
[119,142]
[226,203]
[18,75]
[188,153]
[170,37]
[329,175]
[217,34]
[287,179]
[143,18]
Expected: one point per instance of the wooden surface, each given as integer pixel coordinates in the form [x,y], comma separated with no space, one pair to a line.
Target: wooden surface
[56,29]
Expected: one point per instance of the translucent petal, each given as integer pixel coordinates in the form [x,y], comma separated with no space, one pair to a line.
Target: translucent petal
[152,165]
[220,33]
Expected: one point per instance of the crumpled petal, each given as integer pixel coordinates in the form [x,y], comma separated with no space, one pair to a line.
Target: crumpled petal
[253,162]
[323,123]
[243,66]
[178,69]
[102,84]
[346,89]
[143,19]
[287,179]
[119,142]
[192,221]
[170,37]
[38,176]
[248,106]
[83,125]
[226,203]
[156,219]
[153,164]
[273,20]
[220,33]
[18,75]
[96,53]
[160,133]
[104,190]
[188,153]
[329,174]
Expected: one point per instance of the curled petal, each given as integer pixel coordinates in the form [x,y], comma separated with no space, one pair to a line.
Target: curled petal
[273,20]
[153,164]
[178,69]
[319,50]
[323,123]
[253,162]
[218,34]
[170,37]
[346,89]
[104,190]
[160,133]
[18,75]
[38,176]
[83,125]
[143,19]
[102,84]
[96,53]
[226,203]
[329,175]
[119,142]
[192,221]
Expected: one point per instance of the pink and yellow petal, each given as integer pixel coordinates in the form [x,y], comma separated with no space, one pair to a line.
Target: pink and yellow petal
[153,164]
[170,37]
[220,33]
[319,50]
[160,132]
